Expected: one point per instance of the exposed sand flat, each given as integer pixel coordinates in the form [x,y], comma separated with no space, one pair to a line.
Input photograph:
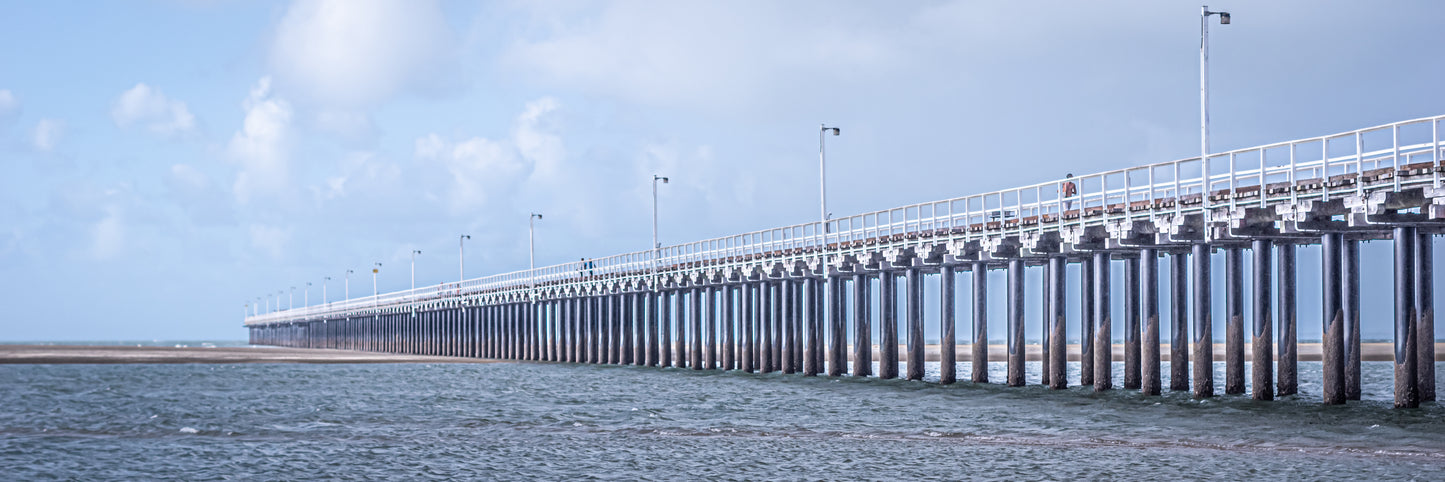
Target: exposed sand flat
[105,354]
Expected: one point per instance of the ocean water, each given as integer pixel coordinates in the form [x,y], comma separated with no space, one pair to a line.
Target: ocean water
[526,421]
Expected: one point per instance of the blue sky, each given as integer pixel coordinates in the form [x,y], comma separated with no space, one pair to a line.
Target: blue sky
[167,162]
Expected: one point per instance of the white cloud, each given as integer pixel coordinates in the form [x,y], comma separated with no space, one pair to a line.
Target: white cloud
[481,169]
[359,52]
[271,239]
[107,237]
[261,146]
[8,103]
[716,54]
[147,106]
[47,134]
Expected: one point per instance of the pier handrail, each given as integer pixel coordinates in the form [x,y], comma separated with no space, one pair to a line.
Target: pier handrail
[1254,176]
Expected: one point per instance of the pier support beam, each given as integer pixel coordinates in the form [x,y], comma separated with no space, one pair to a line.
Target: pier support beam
[650,301]
[837,332]
[1057,316]
[979,346]
[1234,327]
[862,328]
[1132,373]
[775,306]
[811,320]
[1103,335]
[887,325]
[748,305]
[1016,322]
[1179,321]
[767,317]
[948,362]
[696,350]
[680,313]
[1407,384]
[729,328]
[710,310]
[1425,315]
[1203,324]
[914,283]
[1086,321]
[1333,319]
[1287,373]
[1351,286]
[1262,375]
[785,303]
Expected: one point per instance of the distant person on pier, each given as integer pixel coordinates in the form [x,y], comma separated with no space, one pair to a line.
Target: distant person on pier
[1068,190]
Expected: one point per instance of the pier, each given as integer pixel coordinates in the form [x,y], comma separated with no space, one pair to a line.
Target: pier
[781,299]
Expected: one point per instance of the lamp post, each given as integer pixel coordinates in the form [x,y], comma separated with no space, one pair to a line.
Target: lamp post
[324,300]
[1204,14]
[823,182]
[656,246]
[461,257]
[348,284]
[291,299]
[414,252]
[532,240]
[306,296]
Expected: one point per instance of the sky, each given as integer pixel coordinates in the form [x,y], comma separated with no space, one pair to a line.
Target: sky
[167,162]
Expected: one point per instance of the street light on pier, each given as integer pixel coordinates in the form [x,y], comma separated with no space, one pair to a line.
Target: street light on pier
[656,246]
[532,240]
[348,284]
[1204,94]
[462,258]
[306,295]
[324,300]
[823,182]
[291,299]
[414,252]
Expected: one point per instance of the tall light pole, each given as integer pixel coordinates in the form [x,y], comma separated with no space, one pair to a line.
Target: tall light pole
[1204,14]
[256,308]
[823,182]
[414,252]
[324,300]
[656,246]
[306,296]
[278,299]
[532,240]
[348,284]
[461,257]
[291,300]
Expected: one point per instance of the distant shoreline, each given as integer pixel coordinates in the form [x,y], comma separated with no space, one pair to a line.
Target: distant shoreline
[123,354]
[120,354]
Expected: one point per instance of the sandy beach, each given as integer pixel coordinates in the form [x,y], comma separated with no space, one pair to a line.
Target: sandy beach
[106,354]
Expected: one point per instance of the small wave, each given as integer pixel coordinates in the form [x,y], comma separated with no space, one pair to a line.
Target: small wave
[189,430]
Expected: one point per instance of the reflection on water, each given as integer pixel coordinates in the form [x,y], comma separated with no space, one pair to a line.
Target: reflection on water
[553,421]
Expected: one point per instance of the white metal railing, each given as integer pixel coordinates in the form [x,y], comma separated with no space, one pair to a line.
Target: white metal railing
[1337,163]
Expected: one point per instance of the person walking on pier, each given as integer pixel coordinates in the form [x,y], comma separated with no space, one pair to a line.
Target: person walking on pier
[1067,191]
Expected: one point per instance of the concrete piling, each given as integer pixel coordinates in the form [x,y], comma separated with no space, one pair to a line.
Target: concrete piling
[1057,315]
[1132,355]
[947,368]
[1234,323]
[1179,321]
[913,282]
[887,325]
[980,323]
[1287,373]
[1407,384]
[862,328]
[1262,375]
[1103,335]
[1332,319]
[1016,323]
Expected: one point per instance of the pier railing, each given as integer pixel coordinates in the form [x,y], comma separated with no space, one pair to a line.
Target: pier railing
[1386,157]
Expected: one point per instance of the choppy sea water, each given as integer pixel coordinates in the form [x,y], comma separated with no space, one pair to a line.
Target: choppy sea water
[556,421]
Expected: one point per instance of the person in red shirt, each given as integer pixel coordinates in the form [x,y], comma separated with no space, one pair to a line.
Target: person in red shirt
[1068,191]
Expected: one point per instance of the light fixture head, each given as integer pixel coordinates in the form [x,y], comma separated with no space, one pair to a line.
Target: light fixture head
[664,180]
[836,131]
[1224,18]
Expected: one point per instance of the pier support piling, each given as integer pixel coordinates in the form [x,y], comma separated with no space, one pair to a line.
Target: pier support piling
[1332,320]
[1016,322]
[914,282]
[1407,387]
[979,346]
[948,361]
